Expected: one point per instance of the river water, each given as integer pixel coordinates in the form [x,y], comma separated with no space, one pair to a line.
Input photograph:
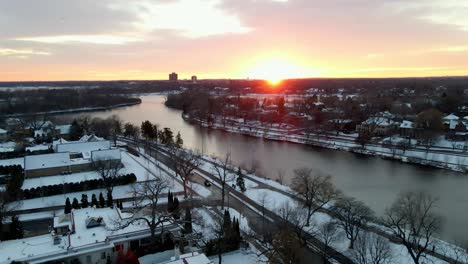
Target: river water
[372,180]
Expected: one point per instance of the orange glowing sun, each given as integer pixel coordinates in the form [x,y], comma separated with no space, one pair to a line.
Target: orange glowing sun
[276,70]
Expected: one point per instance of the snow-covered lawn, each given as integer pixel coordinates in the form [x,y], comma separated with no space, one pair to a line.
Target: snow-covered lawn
[15,161]
[59,179]
[270,199]
[247,256]
[7,146]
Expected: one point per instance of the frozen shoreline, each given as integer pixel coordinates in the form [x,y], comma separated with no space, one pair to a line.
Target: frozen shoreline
[437,157]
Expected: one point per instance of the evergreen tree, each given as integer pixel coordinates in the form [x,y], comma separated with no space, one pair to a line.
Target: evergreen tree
[84,201]
[227,221]
[94,201]
[147,130]
[175,207]
[76,131]
[16,228]
[110,199]
[75,204]
[68,206]
[102,201]
[240,182]
[167,136]
[170,202]
[179,142]
[188,221]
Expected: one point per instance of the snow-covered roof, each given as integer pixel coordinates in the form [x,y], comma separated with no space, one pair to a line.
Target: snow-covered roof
[451,117]
[380,121]
[406,124]
[52,160]
[38,147]
[107,154]
[83,147]
[90,138]
[341,121]
[385,114]
[3,131]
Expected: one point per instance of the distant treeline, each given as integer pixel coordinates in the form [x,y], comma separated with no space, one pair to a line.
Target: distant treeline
[47,100]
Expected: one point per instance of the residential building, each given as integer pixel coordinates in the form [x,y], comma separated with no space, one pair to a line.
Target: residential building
[47,164]
[173,77]
[89,235]
[69,157]
[377,126]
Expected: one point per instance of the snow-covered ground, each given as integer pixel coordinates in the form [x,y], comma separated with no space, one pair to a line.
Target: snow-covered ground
[274,201]
[7,146]
[15,161]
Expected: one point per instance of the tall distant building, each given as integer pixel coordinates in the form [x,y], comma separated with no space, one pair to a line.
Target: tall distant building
[194,78]
[173,76]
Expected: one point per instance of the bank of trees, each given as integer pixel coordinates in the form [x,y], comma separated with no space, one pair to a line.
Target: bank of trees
[39,100]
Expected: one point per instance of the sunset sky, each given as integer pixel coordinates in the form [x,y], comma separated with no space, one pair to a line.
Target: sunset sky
[147,39]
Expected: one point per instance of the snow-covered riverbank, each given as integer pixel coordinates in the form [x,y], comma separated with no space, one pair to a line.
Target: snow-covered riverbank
[439,155]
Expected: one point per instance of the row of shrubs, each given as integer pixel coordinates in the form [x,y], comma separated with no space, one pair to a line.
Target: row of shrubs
[22,152]
[57,189]
[10,169]
[13,177]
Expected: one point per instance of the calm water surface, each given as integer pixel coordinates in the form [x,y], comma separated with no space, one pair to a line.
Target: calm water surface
[375,181]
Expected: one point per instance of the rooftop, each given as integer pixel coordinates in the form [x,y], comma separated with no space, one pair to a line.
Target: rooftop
[107,154]
[52,160]
[83,147]
[40,249]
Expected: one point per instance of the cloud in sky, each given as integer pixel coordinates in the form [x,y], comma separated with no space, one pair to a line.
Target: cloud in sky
[225,38]
[93,39]
[190,18]
[21,52]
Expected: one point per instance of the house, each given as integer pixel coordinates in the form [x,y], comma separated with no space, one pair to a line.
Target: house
[378,125]
[47,164]
[408,129]
[87,235]
[69,157]
[82,149]
[3,135]
[106,154]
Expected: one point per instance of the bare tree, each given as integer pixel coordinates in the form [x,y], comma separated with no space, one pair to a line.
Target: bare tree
[108,169]
[221,168]
[329,234]
[184,163]
[146,195]
[371,248]
[316,191]
[352,215]
[278,244]
[264,201]
[413,222]
[281,176]
[116,127]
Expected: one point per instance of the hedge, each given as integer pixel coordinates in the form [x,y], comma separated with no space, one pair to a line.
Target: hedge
[57,189]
